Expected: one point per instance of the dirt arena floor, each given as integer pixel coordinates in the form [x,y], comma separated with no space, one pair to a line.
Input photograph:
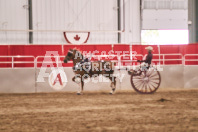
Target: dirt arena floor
[166,110]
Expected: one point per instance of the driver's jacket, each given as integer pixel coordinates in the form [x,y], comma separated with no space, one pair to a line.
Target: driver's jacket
[149,58]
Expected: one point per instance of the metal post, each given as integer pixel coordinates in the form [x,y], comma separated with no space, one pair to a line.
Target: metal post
[119,66]
[57,61]
[112,46]
[131,52]
[62,48]
[119,20]
[159,52]
[35,68]
[196,20]
[30,22]
[12,62]
[192,20]
[163,59]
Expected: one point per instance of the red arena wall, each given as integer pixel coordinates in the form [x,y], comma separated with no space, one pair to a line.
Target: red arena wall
[189,51]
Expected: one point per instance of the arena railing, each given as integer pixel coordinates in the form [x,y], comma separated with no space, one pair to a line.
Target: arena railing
[12,60]
[161,58]
[114,58]
[127,60]
[7,60]
[177,57]
[119,59]
[190,60]
[58,60]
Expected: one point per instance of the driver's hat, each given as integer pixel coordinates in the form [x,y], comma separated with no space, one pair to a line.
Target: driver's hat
[149,48]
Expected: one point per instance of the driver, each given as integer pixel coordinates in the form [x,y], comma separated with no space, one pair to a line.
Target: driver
[149,56]
[148,60]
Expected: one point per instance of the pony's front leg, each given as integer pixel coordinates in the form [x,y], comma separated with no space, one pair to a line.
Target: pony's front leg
[81,88]
[79,83]
[113,84]
[74,80]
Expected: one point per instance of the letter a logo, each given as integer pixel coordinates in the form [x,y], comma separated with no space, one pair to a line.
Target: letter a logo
[58,78]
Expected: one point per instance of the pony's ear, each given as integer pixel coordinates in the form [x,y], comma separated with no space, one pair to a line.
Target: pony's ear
[75,49]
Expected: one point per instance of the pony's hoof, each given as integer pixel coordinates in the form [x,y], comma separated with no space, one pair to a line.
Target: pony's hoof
[78,93]
[111,93]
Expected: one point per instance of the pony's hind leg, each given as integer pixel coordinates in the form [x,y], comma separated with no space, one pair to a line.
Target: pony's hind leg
[113,84]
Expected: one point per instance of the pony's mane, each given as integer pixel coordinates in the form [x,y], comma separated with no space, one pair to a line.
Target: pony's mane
[78,50]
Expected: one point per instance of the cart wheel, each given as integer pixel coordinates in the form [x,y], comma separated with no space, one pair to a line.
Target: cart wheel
[146,82]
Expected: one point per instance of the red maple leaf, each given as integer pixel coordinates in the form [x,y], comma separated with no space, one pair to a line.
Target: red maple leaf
[77,37]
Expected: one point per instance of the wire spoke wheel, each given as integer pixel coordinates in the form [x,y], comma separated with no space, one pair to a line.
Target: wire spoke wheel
[147,82]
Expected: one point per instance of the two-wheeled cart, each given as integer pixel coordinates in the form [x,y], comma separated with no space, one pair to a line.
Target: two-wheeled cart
[145,81]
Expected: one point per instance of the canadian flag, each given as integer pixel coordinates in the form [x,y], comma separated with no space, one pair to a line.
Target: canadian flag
[76,38]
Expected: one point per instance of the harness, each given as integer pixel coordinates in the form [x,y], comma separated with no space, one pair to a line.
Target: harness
[84,65]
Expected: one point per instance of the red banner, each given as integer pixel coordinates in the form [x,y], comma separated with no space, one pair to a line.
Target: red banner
[40,50]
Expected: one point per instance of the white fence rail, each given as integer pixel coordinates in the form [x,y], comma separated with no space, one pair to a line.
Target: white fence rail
[177,57]
[11,60]
[190,60]
[47,60]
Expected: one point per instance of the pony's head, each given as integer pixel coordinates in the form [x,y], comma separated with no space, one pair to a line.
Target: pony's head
[69,56]
[73,54]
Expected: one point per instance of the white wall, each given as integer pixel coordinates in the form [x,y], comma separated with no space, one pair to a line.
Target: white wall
[17,80]
[132,32]
[69,15]
[24,80]
[74,15]
[164,14]
[13,16]
[89,15]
